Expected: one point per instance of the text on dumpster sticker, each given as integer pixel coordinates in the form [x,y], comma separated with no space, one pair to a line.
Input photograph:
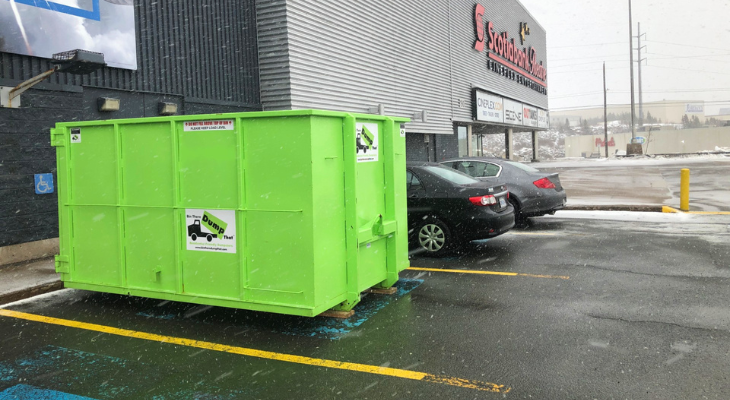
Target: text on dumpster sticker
[366,142]
[218,125]
[211,230]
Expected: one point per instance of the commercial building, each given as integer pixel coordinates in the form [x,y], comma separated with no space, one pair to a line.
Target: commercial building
[665,112]
[459,69]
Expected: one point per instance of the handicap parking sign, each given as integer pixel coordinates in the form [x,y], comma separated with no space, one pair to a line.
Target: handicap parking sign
[43,183]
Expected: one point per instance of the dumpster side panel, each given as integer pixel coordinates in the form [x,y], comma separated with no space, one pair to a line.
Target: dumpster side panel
[93,164]
[95,233]
[209,182]
[370,204]
[330,247]
[147,162]
[93,175]
[400,193]
[147,196]
[60,139]
[150,249]
[278,171]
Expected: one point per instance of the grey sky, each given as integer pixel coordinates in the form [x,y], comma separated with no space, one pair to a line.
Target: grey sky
[688,50]
[52,32]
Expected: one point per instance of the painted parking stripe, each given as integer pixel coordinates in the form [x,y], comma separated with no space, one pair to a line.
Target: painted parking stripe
[316,362]
[666,209]
[466,271]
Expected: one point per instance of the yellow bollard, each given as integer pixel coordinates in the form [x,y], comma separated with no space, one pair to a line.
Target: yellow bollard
[684,190]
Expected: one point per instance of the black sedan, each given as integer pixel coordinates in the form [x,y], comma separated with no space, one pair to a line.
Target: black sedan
[532,193]
[447,208]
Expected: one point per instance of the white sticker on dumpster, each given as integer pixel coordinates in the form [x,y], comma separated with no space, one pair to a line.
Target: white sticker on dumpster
[211,230]
[366,142]
[219,125]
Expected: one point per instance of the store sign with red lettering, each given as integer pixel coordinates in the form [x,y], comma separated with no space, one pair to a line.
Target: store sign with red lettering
[216,125]
[601,143]
[506,57]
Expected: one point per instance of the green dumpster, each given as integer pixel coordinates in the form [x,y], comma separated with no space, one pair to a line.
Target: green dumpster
[293,212]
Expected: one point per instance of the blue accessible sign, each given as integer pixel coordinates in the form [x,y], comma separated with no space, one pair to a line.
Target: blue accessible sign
[43,183]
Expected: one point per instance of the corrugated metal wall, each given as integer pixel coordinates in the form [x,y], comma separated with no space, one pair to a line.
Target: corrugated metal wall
[273,55]
[200,54]
[409,55]
[197,49]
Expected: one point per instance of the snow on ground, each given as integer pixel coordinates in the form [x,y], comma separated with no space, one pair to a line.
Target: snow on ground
[578,162]
[714,229]
[646,217]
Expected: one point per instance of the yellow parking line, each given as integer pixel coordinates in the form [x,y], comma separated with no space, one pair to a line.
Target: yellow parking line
[316,362]
[464,271]
[666,209]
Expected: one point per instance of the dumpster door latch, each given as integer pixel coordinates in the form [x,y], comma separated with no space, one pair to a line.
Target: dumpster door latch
[57,137]
[61,263]
[375,229]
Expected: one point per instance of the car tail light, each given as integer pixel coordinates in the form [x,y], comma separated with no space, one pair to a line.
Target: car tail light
[544,183]
[483,200]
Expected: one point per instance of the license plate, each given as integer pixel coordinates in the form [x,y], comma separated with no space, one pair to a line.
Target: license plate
[502,203]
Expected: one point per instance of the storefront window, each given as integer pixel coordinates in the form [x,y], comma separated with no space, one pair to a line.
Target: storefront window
[476,145]
[463,141]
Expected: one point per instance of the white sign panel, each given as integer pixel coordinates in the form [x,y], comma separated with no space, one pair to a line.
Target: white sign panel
[489,108]
[219,125]
[211,230]
[543,119]
[512,112]
[697,108]
[41,28]
[529,116]
[366,142]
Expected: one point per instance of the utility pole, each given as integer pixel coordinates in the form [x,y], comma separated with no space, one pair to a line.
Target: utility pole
[605,111]
[641,94]
[631,61]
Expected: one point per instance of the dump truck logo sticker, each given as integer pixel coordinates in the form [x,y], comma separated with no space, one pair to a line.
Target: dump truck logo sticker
[220,125]
[366,142]
[211,230]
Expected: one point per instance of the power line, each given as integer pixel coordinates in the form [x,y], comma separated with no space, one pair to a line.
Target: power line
[586,63]
[688,45]
[583,70]
[583,58]
[587,107]
[689,70]
[584,45]
[616,92]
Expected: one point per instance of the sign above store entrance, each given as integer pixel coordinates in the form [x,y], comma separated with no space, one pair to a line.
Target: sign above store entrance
[492,108]
[505,57]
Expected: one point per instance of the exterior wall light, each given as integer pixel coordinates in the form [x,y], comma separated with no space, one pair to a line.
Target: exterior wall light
[167,108]
[108,104]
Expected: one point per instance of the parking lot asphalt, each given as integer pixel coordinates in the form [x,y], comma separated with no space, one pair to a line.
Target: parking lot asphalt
[580,305]
[601,182]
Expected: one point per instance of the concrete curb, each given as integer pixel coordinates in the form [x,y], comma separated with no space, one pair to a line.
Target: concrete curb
[29,292]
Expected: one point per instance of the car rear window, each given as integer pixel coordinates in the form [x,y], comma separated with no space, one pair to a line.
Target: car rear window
[453,176]
[522,166]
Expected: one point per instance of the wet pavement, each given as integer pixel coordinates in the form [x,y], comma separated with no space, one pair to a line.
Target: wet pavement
[589,305]
[615,182]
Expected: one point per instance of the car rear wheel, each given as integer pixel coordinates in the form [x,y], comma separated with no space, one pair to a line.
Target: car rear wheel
[519,218]
[434,237]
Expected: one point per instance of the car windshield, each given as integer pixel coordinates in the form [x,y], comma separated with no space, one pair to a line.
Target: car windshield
[451,175]
[522,166]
